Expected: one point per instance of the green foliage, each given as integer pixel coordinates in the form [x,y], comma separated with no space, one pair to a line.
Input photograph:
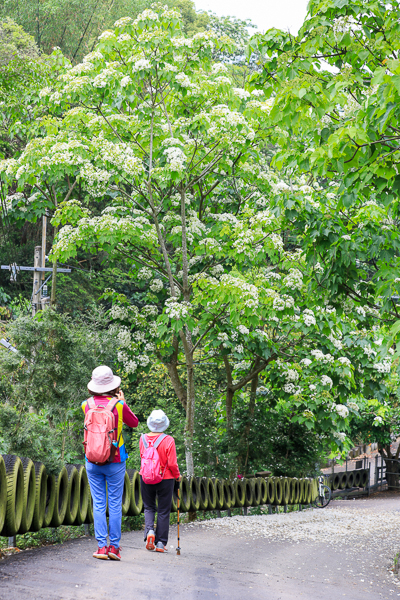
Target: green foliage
[15,43]
[335,90]
[49,375]
[74,26]
[28,434]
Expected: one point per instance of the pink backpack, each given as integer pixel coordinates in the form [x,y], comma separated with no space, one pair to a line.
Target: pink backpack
[100,444]
[150,469]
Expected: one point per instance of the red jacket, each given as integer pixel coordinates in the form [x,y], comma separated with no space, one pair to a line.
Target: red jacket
[167,453]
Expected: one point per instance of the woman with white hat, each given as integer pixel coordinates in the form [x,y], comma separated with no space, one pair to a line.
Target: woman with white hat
[157,485]
[107,477]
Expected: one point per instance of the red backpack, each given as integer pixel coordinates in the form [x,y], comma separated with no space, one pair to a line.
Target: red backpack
[100,444]
[150,469]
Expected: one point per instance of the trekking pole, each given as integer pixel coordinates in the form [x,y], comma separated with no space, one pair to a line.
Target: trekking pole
[178,550]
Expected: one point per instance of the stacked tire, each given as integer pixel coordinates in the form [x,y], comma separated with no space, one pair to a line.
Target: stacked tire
[31,498]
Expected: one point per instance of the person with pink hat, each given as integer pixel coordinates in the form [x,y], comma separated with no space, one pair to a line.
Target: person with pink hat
[106,456]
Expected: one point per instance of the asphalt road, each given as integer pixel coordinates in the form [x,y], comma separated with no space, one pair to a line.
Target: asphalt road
[212,565]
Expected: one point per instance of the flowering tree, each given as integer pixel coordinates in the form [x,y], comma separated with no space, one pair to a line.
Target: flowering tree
[163,163]
[336,90]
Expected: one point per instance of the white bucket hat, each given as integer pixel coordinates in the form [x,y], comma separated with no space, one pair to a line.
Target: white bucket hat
[103,380]
[158,421]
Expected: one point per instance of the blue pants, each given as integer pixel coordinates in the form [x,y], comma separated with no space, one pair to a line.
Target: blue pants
[113,474]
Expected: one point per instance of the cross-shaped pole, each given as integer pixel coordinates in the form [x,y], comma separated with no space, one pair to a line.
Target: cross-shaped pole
[37,269]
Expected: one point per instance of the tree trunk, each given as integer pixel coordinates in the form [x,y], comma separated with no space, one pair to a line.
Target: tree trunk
[190,408]
[247,429]
[229,394]
[228,404]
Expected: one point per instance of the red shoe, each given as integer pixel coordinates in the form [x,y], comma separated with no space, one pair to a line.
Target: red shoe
[114,553]
[101,553]
[150,540]
[161,548]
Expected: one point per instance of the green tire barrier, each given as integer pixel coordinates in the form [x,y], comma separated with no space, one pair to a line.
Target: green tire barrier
[72,495]
[30,498]
[308,491]
[29,495]
[174,501]
[240,493]
[263,490]
[343,481]
[285,491]
[84,493]
[89,515]
[364,478]
[297,490]
[335,481]
[256,489]
[50,500]
[278,491]
[271,490]
[126,495]
[3,492]
[40,497]
[248,493]
[315,490]
[219,491]
[15,494]
[350,479]
[185,494]
[136,505]
[211,493]
[194,494]
[232,488]
[203,490]
[61,498]
[292,485]
[357,478]
[228,499]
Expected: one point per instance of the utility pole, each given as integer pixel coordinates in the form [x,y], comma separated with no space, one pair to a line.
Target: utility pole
[37,263]
[37,269]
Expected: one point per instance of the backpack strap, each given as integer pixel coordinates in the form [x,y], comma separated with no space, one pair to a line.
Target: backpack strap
[112,404]
[144,441]
[159,440]
[91,402]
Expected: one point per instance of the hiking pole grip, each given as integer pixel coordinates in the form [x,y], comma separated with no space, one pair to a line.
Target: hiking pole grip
[178,549]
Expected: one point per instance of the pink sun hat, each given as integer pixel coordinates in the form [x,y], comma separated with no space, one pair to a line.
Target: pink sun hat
[103,380]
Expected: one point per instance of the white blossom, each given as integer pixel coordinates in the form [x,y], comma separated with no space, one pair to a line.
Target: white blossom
[342,410]
[325,380]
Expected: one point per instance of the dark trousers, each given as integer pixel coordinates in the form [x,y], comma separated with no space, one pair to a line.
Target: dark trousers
[163,493]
